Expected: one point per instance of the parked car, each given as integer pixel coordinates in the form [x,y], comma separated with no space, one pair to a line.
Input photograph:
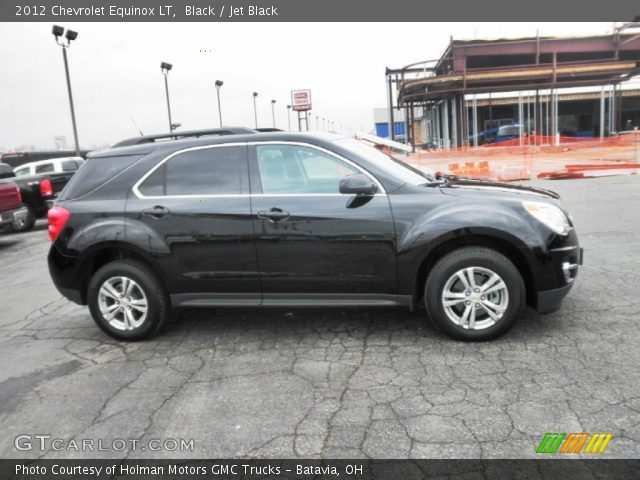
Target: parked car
[10,205]
[38,193]
[52,165]
[291,219]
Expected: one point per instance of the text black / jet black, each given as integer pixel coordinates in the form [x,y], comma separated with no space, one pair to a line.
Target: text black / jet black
[284,219]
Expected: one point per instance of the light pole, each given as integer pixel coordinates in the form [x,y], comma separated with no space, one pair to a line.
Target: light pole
[255,111]
[69,36]
[317,127]
[273,112]
[289,116]
[324,129]
[219,83]
[166,67]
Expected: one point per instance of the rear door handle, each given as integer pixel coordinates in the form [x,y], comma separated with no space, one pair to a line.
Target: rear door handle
[274,214]
[156,212]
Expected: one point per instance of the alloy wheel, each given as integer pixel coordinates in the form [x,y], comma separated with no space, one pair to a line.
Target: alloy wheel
[122,303]
[475,298]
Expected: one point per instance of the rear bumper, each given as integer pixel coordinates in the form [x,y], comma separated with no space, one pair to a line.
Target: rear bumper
[65,275]
[10,216]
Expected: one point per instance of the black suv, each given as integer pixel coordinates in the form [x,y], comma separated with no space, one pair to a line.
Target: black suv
[289,219]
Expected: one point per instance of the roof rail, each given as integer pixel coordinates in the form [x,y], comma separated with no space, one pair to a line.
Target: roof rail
[181,135]
[268,129]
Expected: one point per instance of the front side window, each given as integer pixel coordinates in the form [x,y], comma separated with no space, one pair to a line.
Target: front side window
[290,169]
[211,171]
[392,166]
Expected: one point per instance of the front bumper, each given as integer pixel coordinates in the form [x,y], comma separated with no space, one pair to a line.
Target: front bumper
[550,300]
[566,261]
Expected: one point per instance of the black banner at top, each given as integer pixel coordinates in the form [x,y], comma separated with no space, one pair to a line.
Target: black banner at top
[302,469]
[314,10]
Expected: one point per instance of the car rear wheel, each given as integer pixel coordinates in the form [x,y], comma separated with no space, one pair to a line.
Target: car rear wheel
[474,294]
[127,300]
[24,223]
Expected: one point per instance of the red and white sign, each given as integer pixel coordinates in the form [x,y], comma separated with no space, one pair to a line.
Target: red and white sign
[301,100]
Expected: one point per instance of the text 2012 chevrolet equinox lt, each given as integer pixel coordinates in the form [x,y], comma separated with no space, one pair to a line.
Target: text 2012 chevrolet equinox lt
[290,219]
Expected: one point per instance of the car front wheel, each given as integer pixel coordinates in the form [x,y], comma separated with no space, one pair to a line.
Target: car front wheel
[127,300]
[474,294]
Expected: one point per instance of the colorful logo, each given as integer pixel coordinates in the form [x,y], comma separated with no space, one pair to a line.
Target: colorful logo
[574,442]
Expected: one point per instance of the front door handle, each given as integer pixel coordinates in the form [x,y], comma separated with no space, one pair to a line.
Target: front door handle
[274,214]
[157,211]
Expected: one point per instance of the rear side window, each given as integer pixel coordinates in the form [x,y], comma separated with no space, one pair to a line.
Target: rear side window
[210,171]
[69,166]
[95,172]
[46,168]
[21,172]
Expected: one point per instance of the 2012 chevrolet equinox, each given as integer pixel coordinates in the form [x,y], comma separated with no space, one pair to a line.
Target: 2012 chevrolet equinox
[289,219]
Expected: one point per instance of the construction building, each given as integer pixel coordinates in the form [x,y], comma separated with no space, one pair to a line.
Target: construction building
[479,90]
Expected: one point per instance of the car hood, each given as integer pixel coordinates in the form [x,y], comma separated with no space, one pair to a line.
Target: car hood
[454,186]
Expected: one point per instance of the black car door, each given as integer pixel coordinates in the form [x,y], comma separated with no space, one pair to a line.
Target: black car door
[197,202]
[315,245]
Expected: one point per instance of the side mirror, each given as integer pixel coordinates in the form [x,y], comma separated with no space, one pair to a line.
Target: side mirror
[358,184]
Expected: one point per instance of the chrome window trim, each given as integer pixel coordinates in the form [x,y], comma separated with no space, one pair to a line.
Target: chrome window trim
[138,194]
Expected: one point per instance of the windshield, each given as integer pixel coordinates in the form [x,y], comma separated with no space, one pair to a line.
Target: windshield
[387,163]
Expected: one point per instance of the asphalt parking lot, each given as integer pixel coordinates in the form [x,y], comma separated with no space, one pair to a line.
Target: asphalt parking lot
[333,383]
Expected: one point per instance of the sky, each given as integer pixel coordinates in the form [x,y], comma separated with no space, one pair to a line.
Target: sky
[116,76]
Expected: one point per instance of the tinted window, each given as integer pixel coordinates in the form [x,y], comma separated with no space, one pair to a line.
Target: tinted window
[6,171]
[153,186]
[210,171]
[94,172]
[69,166]
[297,169]
[46,168]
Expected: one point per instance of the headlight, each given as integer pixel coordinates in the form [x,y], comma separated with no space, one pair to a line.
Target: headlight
[550,215]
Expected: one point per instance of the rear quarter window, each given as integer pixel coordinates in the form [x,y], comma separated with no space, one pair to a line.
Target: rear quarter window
[95,172]
[69,166]
[46,168]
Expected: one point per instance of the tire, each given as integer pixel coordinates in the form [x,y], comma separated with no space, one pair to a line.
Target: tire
[129,324]
[26,224]
[478,311]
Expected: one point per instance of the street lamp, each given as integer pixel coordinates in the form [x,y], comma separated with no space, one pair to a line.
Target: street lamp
[317,124]
[289,116]
[255,111]
[166,67]
[70,36]
[273,112]
[323,126]
[219,83]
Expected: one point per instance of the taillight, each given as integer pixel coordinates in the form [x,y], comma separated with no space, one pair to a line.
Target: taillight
[46,189]
[58,217]
[19,193]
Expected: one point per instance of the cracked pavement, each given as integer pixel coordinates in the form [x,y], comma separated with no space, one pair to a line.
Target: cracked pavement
[352,383]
